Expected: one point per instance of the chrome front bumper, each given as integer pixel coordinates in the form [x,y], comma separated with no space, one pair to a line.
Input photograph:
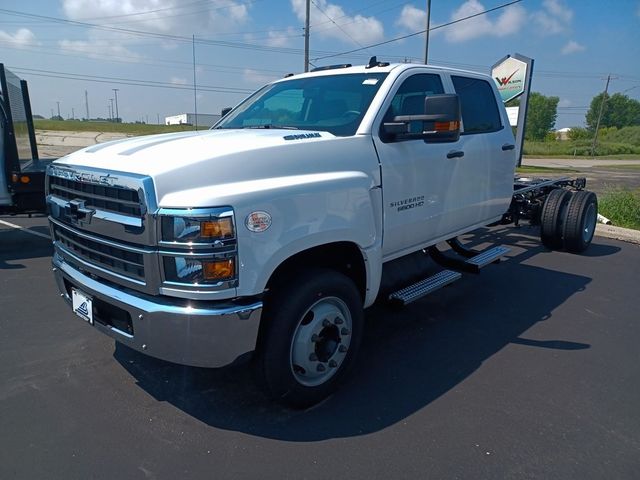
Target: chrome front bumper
[202,334]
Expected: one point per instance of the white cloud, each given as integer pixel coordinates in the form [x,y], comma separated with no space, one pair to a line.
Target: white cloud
[572,47]
[178,81]
[507,23]
[554,18]
[23,37]
[99,49]
[281,38]
[412,18]
[256,79]
[359,29]
[164,16]
[565,102]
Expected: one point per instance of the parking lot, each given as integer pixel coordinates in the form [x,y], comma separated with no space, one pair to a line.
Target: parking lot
[530,370]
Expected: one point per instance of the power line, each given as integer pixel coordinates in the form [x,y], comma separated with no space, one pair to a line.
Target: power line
[421,31]
[125,81]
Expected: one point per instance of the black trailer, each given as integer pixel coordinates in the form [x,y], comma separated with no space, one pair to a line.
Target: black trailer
[22,173]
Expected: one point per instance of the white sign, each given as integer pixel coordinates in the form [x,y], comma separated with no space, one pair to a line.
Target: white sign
[513,115]
[509,77]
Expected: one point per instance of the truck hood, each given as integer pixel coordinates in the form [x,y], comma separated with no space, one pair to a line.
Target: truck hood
[154,155]
[197,167]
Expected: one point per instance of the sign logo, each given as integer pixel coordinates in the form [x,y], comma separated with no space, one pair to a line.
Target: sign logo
[83,309]
[509,77]
[505,80]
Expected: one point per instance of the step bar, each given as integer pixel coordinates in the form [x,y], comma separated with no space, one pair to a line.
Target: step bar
[424,287]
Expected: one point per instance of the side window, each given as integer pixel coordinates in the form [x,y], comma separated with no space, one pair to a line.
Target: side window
[478,104]
[409,99]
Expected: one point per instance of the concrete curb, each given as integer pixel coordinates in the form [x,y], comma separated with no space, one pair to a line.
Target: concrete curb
[618,233]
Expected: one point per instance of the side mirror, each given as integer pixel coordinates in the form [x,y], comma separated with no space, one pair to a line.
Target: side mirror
[224,111]
[439,123]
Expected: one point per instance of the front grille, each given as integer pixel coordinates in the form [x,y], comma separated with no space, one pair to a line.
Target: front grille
[101,197]
[121,261]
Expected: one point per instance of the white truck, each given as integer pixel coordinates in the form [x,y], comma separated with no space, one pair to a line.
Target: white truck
[268,235]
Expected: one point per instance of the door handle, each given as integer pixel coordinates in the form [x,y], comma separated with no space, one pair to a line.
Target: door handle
[508,146]
[455,154]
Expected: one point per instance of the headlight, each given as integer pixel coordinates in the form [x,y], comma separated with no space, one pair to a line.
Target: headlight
[195,228]
[197,271]
[198,247]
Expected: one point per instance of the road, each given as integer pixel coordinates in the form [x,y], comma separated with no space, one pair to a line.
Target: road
[529,370]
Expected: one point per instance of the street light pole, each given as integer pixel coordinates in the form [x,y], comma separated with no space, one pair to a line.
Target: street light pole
[604,99]
[426,33]
[115,91]
[306,36]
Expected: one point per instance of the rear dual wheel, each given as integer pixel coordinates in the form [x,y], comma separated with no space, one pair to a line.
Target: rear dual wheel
[568,220]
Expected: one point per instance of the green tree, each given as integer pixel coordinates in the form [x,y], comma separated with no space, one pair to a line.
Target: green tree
[541,116]
[619,111]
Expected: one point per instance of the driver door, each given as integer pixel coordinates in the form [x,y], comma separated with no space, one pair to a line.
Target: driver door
[421,181]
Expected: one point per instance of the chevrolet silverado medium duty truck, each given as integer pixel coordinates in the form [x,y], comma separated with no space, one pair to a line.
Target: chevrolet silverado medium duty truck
[268,235]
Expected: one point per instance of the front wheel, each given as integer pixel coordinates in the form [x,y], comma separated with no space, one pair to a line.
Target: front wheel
[310,338]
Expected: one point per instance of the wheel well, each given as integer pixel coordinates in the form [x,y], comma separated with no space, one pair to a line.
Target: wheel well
[344,257]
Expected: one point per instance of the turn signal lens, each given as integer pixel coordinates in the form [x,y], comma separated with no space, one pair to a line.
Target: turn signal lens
[447,126]
[219,228]
[218,270]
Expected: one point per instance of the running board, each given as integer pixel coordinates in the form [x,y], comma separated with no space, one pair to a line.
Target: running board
[488,256]
[424,287]
[469,265]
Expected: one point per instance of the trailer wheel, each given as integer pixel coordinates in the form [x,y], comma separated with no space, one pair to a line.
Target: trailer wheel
[582,213]
[311,337]
[552,218]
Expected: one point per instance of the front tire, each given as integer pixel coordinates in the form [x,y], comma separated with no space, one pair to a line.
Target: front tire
[311,335]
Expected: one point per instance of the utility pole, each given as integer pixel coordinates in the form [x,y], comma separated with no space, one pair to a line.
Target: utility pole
[115,91]
[73,114]
[59,117]
[426,33]
[195,95]
[113,112]
[158,118]
[604,100]
[86,103]
[109,107]
[306,36]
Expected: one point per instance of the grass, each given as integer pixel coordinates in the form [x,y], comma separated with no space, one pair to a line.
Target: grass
[129,128]
[622,207]
[618,167]
[535,169]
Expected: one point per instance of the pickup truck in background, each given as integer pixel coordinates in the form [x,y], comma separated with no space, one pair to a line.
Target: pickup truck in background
[22,173]
[270,234]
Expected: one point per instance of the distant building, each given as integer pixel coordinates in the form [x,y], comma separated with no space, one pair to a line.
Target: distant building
[204,119]
[563,133]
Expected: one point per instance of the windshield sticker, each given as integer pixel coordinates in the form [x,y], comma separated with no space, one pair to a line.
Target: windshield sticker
[371,81]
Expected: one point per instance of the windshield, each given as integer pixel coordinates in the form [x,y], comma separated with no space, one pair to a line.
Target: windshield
[333,103]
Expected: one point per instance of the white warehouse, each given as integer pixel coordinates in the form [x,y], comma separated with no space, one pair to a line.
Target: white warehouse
[207,119]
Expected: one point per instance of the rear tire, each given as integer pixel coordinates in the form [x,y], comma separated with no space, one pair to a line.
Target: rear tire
[552,218]
[310,337]
[582,214]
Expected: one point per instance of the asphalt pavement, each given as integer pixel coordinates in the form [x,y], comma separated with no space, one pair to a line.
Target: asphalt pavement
[529,370]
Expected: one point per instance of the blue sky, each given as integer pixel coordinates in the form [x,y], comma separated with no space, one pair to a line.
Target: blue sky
[241,44]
